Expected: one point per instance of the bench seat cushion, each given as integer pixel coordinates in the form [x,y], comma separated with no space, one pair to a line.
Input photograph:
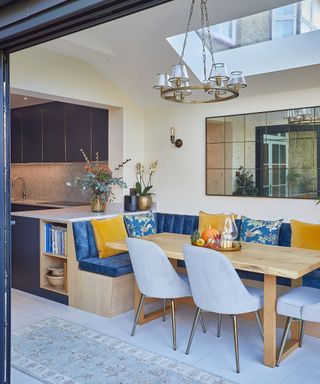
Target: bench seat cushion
[112,266]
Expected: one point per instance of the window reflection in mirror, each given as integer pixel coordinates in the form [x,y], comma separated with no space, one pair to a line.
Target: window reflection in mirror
[271,154]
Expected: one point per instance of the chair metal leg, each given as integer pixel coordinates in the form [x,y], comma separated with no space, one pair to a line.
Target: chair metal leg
[284,339]
[236,341]
[174,331]
[137,314]
[301,333]
[202,323]
[258,318]
[219,325]
[193,329]
[164,310]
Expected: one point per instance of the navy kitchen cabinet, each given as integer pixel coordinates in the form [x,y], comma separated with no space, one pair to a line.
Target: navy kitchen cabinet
[53,132]
[100,121]
[78,132]
[16,136]
[26,259]
[32,134]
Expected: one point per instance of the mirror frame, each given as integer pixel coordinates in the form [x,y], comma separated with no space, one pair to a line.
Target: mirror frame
[258,176]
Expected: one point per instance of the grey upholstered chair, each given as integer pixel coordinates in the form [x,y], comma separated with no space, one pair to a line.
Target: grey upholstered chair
[156,277]
[216,287]
[302,303]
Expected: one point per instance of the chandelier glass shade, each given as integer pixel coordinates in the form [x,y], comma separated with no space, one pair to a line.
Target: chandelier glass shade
[301,116]
[216,86]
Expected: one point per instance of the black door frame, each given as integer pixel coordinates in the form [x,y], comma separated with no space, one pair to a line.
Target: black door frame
[65,18]
[5,222]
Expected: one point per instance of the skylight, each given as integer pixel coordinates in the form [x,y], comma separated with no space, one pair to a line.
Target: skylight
[265,42]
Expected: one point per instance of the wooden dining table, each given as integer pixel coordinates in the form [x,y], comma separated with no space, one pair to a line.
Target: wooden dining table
[271,261]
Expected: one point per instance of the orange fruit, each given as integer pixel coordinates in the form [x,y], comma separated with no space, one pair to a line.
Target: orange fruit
[210,233]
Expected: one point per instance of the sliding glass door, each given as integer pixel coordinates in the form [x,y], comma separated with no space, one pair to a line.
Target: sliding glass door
[21,29]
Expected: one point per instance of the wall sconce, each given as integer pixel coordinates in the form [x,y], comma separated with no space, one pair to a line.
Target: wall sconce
[177,142]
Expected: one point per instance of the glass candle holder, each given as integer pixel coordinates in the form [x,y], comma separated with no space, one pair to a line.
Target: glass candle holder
[228,230]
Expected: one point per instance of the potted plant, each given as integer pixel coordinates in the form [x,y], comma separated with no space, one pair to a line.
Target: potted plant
[246,185]
[142,188]
[99,181]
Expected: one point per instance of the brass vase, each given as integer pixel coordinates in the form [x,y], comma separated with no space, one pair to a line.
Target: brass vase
[144,203]
[98,204]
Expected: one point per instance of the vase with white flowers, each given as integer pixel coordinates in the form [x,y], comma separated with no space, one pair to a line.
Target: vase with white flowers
[143,188]
[98,180]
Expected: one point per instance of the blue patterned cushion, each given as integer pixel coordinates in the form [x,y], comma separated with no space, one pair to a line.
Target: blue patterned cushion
[112,266]
[260,231]
[140,225]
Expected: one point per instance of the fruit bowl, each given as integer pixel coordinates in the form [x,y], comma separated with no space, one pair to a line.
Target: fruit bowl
[236,246]
[211,239]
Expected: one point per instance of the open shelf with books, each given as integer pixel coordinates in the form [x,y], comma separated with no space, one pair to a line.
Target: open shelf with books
[56,239]
[54,256]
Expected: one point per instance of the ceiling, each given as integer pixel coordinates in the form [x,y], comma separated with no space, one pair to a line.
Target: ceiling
[130,51]
[17,101]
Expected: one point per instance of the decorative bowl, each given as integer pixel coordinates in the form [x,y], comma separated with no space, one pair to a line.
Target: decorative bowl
[56,271]
[236,246]
[55,281]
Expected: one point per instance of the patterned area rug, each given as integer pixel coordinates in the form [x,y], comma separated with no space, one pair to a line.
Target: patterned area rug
[57,351]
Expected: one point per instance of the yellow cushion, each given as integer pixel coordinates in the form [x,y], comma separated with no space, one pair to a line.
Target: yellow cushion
[305,235]
[214,220]
[108,230]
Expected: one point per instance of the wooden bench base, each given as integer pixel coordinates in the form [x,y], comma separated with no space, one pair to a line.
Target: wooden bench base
[102,295]
[95,293]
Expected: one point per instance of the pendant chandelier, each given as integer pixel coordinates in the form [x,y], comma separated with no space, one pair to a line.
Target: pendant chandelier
[217,85]
[301,116]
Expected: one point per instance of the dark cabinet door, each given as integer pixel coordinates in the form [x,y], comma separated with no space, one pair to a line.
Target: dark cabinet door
[78,132]
[100,123]
[53,132]
[32,134]
[16,136]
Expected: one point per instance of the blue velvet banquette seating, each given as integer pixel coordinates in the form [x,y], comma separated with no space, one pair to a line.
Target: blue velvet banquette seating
[119,265]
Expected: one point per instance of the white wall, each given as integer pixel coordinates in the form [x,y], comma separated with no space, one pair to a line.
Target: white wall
[180,182]
[144,136]
[45,74]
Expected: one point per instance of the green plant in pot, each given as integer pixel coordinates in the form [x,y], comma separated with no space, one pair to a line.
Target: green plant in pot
[143,189]
[98,180]
[246,185]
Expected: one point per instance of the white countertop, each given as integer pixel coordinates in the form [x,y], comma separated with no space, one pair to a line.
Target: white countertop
[72,214]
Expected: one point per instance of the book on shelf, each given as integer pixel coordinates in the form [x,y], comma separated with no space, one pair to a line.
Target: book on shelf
[56,239]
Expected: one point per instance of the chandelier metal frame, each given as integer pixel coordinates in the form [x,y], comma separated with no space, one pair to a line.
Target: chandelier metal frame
[217,86]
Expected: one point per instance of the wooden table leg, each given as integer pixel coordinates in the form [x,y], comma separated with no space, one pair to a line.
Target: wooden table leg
[270,320]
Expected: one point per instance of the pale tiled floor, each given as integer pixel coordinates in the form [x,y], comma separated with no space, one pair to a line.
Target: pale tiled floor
[208,352]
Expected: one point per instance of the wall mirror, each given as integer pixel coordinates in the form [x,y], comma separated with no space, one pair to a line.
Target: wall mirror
[270,154]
